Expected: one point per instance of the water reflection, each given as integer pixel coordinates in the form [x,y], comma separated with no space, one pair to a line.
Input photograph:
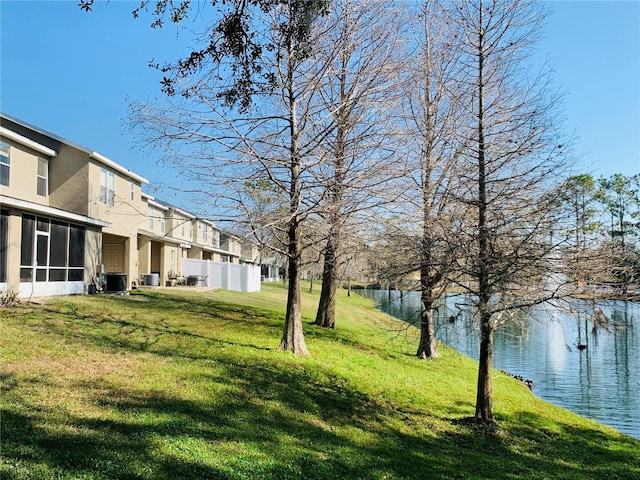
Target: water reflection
[591,367]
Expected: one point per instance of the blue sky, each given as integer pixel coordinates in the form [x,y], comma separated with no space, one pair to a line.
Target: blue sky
[73,73]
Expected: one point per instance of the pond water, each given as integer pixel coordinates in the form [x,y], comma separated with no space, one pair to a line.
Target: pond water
[594,372]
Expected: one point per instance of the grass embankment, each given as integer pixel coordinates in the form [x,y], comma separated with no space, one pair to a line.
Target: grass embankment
[184,385]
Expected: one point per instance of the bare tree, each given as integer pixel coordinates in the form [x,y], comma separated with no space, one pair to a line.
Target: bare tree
[513,158]
[360,54]
[431,117]
[223,154]
[396,243]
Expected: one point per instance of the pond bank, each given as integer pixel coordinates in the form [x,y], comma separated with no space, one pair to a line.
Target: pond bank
[591,370]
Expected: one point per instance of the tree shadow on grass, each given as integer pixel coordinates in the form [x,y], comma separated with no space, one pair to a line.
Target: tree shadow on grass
[255,416]
[601,455]
[276,422]
[249,431]
[154,325]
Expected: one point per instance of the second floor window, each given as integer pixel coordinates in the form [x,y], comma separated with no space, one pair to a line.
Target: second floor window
[107,187]
[43,177]
[151,213]
[205,233]
[5,163]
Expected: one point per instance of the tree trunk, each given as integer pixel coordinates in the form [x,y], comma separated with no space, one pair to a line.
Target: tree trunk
[484,398]
[293,336]
[326,316]
[428,347]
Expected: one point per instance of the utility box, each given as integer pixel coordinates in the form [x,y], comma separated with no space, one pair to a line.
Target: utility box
[115,282]
[151,279]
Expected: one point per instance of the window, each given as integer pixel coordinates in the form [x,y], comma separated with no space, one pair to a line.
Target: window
[26,247]
[59,242]
[5,163]
[52,249]
[183,228]
[205,233]
[76,246]
[107,187]
[133,191]
[151,218]
[162,226]
[43,177]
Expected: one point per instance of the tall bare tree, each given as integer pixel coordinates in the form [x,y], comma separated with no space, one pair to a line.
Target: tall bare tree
[222,153]
[514,156]
[432,115]
[360,52]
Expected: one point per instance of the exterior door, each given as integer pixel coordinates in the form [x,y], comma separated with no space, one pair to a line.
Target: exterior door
[113,257]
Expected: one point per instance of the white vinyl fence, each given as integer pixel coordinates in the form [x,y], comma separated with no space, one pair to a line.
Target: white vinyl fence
[228,276]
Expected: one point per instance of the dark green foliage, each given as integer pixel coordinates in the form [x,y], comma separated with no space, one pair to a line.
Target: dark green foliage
[232,46]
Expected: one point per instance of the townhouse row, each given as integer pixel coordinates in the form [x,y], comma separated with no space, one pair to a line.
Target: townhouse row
[69,214]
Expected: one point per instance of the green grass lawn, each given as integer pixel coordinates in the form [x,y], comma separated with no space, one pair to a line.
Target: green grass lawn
[182,385]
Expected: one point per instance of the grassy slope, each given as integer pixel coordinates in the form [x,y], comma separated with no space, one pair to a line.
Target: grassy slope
[171,385]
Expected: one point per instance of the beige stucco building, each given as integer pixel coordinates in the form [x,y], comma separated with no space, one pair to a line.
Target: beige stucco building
[70,215]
